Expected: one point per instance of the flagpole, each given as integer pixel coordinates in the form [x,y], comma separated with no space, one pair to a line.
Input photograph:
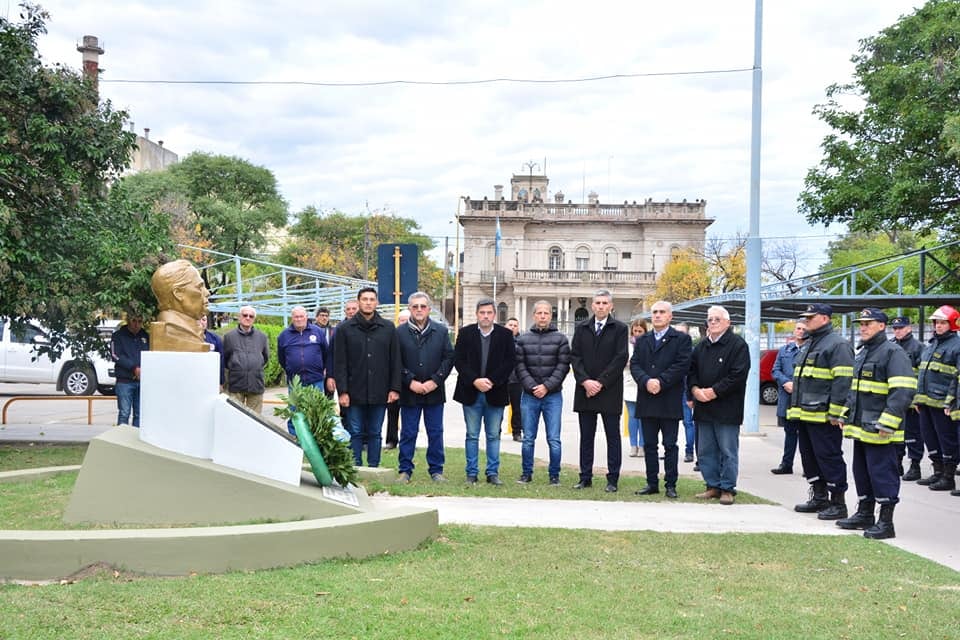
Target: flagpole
[496,259]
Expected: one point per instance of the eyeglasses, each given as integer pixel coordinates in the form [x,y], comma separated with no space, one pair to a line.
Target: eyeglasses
[714,319]
[248,315]
[418,306]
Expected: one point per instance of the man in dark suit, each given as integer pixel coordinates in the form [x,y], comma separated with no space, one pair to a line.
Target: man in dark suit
[484,357]
[598,354]
[661,359]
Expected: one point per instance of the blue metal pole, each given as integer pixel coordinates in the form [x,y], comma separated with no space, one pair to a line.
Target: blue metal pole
[751,416]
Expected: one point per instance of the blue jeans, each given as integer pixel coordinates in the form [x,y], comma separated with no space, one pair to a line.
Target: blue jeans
[719,455]
[689,426]
[318,385]
[410,426]
[366,421]
[491,417]
[128,398]
[633,425]
[531,407]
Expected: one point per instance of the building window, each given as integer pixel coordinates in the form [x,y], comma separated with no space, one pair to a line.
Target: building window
[627,255]
[555,259]
[502,313]
[583,259]
[580,315]
[610,259]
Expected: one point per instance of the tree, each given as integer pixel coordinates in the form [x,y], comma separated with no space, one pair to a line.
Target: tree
[727,263]
[213,202]
[892,164]
[683,278]
[67,252]
[339,243]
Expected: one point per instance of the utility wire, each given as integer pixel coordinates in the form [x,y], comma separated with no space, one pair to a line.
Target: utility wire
[381,83]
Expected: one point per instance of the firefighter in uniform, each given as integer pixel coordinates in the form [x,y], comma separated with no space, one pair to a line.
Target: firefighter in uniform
[936,395]
[821,382]
[912,441]
[880,396]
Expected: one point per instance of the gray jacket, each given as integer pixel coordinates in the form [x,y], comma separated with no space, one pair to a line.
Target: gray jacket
[246,355]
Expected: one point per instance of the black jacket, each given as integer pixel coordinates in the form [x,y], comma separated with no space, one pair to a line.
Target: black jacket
[543,357]
[366,359]
[601,358]
[722,366]
[821,377]
[880,393]
[424,355]
[246,355]
[667,360]
[500,361]
[126,349]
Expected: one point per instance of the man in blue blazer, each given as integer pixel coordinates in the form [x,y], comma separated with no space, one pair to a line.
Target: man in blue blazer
[661,359]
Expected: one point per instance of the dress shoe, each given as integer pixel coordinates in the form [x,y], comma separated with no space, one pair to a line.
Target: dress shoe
[524,479]
[726,497]
[671,493]
[696,466]
[471,479]
[583,484]
[647,491]
[437,477]
[782,471]
[610,488]
[494,479]
[554,481]
[688,457]
[709,494]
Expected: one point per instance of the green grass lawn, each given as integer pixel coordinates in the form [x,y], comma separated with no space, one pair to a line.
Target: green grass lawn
[480,582]
[21,456]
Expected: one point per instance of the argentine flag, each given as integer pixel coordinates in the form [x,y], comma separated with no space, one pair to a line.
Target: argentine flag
[497,239]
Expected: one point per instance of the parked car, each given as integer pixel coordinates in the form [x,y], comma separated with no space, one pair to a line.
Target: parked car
[75,376]
[768,386]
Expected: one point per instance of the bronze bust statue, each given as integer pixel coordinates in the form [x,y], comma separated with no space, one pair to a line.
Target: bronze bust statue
[182,299]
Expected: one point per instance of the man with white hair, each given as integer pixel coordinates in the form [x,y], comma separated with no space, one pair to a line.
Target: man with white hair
[718,382]
[245,353]
[300,352]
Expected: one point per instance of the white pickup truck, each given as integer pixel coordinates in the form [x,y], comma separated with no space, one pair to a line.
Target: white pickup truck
[20,362]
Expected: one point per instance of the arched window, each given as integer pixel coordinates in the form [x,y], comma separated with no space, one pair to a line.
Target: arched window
[502,313]
[583,259]
[580,315]
[555,259]
[610,256]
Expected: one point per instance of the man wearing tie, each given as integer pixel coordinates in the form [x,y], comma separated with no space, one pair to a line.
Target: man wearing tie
[598,354]
[661,359]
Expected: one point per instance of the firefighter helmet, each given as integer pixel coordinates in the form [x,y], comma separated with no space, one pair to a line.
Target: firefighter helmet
[948,313]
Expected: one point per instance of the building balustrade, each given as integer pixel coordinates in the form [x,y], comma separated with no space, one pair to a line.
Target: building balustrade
[490,276]
[594,275]
[578,211]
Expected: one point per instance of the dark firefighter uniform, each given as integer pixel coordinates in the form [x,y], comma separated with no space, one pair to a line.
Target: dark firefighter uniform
[821,382]
[881,393]
[912,440]
[936,391]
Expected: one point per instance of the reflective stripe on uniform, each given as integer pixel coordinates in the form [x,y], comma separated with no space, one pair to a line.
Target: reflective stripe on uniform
[855,432]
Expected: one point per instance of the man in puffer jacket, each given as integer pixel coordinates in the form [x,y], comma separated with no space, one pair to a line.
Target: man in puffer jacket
[543,361]
[880,395]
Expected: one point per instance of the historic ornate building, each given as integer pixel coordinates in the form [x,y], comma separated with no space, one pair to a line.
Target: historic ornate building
[560,251]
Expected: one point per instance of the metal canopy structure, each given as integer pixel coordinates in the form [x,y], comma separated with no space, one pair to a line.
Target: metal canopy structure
[846,290]
[274,289]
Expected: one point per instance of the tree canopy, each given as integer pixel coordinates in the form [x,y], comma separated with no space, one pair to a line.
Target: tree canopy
[891,161]
[68,252]
[346,244]
[685,277]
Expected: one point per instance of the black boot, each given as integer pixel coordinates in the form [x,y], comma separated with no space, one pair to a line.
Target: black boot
[937,473]
[862,519]
[946,482]
[836,509]
[913,473]
[818,498]
[884,527]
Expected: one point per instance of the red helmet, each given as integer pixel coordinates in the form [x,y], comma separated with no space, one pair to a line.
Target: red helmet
[948,313]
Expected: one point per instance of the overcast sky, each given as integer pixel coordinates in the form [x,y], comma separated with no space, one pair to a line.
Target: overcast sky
[414,149]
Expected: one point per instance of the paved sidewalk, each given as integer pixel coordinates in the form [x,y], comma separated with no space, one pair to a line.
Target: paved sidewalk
[926,521]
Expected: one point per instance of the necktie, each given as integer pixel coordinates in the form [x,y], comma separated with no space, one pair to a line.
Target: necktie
[599,327]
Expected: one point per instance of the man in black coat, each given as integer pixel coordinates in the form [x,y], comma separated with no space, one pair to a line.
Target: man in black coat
[661,359]
[598,354]
[367,371]
[484,357]
[718,383]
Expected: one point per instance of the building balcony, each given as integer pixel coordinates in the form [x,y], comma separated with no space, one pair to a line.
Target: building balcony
[647,210]
[491,276]
[604,276]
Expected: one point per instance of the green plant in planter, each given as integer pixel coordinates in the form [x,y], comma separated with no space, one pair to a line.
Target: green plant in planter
[321,415]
